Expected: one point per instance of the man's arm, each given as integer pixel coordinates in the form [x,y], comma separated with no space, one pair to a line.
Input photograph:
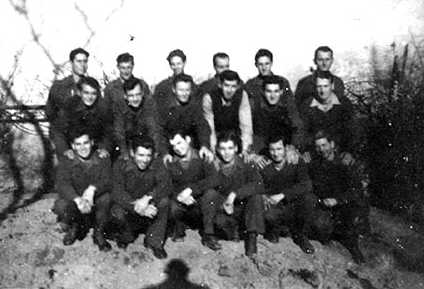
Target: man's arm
[203,129]
[163,188]
[303,184]
[210,181]
[152,123]
[119,193]
[51,106]
[209,117]
[103,180]
[119,129]
[253,186]
[64,181]
[245,120]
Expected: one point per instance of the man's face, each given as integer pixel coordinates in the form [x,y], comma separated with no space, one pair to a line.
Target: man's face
[324,60]
[142,157]
[82,146]
[229,88]
[264,65]
[180,145]
[134,96]
[273,93]
[324,89]
[227,151]
[88,94]
[80,64]
[177,65]
[325,148]
[125,70]
[277,151]
[182,91]
[221,64]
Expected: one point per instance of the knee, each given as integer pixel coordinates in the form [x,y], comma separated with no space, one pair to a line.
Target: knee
[64,207]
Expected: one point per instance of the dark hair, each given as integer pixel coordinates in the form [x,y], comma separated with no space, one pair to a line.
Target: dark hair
[264,52]
[324,75]
[182,77]
[176,52]
[90,81]
[125,57]
[272,79]
[276,137]
[78,51]
[323,134]
[178,131]
[77,130]
[144,141]
[229,75]
[229,135]
[322,49]
[219,55]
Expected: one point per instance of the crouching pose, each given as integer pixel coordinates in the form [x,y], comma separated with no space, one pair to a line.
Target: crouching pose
[83,184]
[140,193]
[241,192]
[341,189]
[194,182]
[288,199]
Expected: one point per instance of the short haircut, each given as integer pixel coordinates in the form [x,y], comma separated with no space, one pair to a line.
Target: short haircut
[131,83]
[90,81]
[176,52]
[219,55]
[324,75]
[144,141]
[229,75]
[229,135]
[276,137]
[178,131]
[323,134]
[78,51]
[124,57]
[322,49]
[272,79]
[264,52]
[182,77]
[77,130]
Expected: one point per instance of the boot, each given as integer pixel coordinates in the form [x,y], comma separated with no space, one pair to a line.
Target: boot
[158,252]
[303,242]
[178,233]
[100,241]
[250,245]
[71,235]
[125,238]
[211,242]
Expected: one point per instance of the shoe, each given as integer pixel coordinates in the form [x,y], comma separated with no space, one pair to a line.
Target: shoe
[304,244]
[71,235]
[124,239]
[178,237]
[271,237]
[211,242]
[82,232]
[158,252]
[250,245]
[100,241]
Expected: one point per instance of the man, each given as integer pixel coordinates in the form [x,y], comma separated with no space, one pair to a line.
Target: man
[273,117]
[241,192]
[177,61]
[59,94]
[323,60]
[288,197]
[137,115]
[141,187]
[83,184]
[221,62]
[327,112]
[181,113]
[114,91]
[341,189]
[227,108]
[194,182]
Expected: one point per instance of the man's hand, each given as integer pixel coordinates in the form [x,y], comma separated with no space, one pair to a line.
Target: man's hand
[206,154]
[245,156]
[292,155]
[88,194]
[167,159]
[229,203]
[151,211]
[260,161]
[347,159]
[330,202]
[185,197]
[69,154]
[141,204]
[275,199]
[307,157]
[267,202]
[103,153]
[83,205]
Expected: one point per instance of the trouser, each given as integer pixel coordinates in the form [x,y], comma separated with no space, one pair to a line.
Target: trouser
[206,208]
[68,212]
[296,214]
[248,215]
[155,229]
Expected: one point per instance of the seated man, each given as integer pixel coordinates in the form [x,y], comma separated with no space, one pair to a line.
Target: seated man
[181,112]
[194,182]
[327,113]
[341,189]
[136,115]
[241,192]
[305,89]
[227,108]
[83,185]
[288,199]
[141,187]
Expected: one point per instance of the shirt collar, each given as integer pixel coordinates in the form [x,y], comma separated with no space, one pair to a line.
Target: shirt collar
[334,100]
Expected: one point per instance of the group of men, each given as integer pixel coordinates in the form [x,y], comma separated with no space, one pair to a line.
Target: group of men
[232,159]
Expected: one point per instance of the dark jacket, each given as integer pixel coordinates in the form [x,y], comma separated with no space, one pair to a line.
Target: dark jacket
[254,87]
[130,183]
[292,180]
[163,90]
[196,174]
[74,176]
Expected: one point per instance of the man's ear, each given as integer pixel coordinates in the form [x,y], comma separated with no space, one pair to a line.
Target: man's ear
[131,152]
[188,139]
[332,144]
[174,90]
[73,146]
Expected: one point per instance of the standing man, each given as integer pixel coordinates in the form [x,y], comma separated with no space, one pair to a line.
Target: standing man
[323,60]
[227,108]
[60,92]
[221,62]
[141,187]
[84,187]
